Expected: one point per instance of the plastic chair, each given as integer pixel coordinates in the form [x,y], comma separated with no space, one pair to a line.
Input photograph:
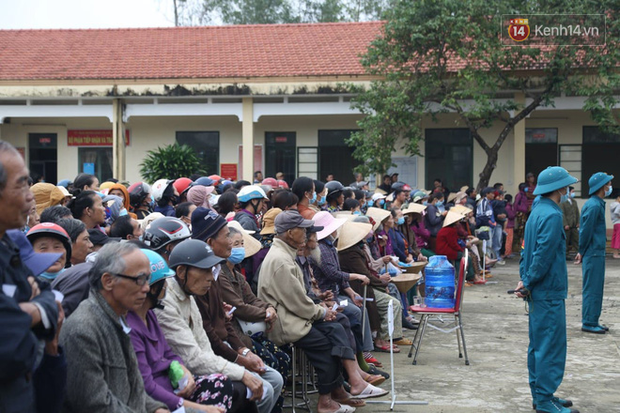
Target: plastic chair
[426,312]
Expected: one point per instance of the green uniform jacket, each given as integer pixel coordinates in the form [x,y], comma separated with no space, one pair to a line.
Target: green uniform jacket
[592,229]
[543,260]
[571,213]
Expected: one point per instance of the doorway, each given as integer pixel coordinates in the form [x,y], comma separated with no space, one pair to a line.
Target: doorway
[280,155]
[43,156]
[449,157]
[541,150]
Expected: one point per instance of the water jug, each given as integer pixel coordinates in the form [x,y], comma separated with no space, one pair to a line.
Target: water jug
[439,282]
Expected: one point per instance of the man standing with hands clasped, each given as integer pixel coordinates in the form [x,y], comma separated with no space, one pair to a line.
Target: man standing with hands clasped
[592,242]
[544,283]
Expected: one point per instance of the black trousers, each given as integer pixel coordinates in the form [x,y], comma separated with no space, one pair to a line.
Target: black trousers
[325,345]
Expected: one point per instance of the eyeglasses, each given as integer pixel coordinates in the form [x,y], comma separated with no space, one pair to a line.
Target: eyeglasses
[140,279]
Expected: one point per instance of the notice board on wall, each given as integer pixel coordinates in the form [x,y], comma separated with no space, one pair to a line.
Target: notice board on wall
[228,171]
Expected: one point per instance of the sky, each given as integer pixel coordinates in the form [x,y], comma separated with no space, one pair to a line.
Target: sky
[84,14]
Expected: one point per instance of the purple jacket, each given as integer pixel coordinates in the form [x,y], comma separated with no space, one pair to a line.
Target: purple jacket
[520,204]
[422,235]
[510,215]
[154,357]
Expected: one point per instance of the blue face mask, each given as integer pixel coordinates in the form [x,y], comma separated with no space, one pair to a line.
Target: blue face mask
[323,200]
[609,191]
[400,221]
[370,203]
[439,203]
[381,202]
[313,199]
[572,194]
[51,275]
[237,255]
[564,198]
[357,212]
[425,203]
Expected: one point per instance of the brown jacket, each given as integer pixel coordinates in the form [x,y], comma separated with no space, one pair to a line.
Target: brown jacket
[216,326]
[235,291]
[353,260]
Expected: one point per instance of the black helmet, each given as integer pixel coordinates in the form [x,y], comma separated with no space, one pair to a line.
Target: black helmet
[194,253]
[163,231]
[333,187]
[400,186]
[138,193]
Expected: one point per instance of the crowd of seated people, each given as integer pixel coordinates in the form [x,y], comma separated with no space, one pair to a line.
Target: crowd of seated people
[191,293]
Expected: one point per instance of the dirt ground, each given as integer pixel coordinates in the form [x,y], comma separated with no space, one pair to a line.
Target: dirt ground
[496,332]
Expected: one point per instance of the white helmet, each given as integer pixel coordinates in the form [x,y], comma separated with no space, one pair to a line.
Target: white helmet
[250,192]
[159,187]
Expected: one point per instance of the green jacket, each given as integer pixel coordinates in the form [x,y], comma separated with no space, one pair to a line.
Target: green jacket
[543,260]
[571,213]
[592,229]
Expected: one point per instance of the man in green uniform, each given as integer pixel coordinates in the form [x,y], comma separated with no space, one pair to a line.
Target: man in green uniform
[592,242]
[544,282]
[571,222]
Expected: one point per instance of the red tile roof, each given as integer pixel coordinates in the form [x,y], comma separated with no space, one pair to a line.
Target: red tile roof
[287,50]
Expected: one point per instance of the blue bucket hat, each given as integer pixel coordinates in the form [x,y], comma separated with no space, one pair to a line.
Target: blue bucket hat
[552,179]
[598,180]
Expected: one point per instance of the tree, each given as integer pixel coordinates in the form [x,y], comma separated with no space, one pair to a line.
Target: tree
[438,57]
[202,12]
[171,161]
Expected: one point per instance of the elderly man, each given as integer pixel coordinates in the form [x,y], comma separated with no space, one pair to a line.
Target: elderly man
[103,374]
[28,312]
[211,228]
[308,325]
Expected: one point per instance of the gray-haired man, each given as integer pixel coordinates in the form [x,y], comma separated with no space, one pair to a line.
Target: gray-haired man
[102,369]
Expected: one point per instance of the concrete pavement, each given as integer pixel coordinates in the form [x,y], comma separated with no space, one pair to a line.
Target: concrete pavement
[496,330]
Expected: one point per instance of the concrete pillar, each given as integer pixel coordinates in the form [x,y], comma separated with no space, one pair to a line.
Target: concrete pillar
[247,140]
[518,149]
[118,140]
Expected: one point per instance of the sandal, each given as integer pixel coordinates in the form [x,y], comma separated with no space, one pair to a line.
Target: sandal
[375,380]
[386,349]
[351,402]
[370,391]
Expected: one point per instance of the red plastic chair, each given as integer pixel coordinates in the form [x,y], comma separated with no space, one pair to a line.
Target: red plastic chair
[426,312]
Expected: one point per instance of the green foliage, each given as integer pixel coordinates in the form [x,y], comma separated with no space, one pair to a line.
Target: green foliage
[200,12]
[169,162]
[447,56]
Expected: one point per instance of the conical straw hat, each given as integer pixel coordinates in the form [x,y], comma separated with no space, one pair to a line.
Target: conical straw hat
[251,244]
[405,281]
[451,218]
[352,233]
[415,267]
[461,209]
[378,215]
[414,208]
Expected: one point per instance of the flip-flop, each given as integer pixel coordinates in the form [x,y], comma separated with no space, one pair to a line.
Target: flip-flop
[351,402]
[344,409]
[375,380]
[386,349]
[480,282]
[369,392]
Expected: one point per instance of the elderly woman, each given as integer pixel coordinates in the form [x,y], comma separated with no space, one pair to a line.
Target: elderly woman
[213,393]
[48,237]
[353,259]
[80,239]
[250,310]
